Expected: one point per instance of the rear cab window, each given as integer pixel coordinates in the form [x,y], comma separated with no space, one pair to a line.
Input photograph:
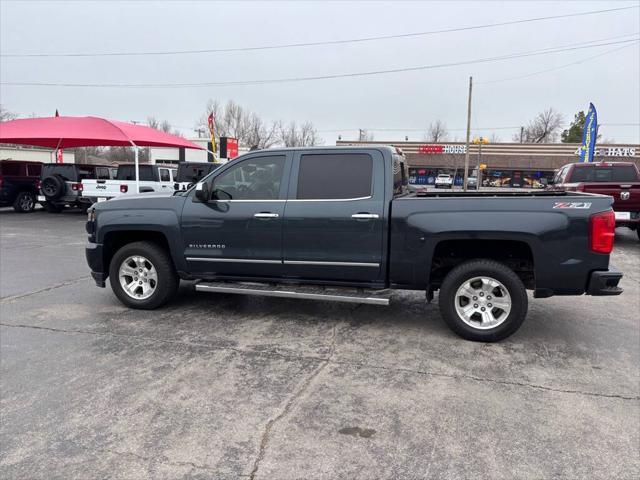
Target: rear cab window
[608,173]
[128,172]
[339,176]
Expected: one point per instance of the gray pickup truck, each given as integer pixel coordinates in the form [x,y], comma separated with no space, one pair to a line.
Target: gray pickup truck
[339,224]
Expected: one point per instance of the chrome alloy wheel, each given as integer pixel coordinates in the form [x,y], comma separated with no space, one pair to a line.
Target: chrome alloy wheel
[483,302]
[138,277]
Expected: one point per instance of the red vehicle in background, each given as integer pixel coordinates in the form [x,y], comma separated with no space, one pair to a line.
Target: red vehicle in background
[620,180]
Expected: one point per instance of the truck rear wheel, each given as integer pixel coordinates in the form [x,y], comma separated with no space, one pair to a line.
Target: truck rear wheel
[483,301]
[142,275]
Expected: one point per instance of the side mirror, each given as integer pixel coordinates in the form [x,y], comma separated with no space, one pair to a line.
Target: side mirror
[221,194]
[202,192]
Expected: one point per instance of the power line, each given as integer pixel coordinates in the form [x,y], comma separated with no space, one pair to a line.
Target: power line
[319,43]
[546,51]
[539,72]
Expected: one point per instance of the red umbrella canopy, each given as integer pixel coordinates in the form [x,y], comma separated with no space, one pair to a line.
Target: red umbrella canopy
[71,132]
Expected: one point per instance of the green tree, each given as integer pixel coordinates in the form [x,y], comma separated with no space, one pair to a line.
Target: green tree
[574,133]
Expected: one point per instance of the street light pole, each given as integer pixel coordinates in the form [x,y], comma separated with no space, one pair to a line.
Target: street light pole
[466,153]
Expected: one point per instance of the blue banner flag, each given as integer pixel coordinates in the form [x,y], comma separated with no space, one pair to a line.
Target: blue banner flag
[589,135]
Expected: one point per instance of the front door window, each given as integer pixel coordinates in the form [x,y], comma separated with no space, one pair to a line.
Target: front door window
[253,179]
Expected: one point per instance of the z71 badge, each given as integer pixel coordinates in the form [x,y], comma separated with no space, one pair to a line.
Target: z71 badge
[581,205]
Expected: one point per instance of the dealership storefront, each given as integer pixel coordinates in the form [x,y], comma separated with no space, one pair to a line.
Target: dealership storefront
[502,164]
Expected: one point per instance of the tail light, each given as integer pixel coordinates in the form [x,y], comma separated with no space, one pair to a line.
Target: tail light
[602,228]
[124,188]
[76,187]
[39,184]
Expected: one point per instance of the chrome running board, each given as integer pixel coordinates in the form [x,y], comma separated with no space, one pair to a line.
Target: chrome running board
[309,292]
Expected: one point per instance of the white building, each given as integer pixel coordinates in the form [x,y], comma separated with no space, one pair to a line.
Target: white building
[34,154]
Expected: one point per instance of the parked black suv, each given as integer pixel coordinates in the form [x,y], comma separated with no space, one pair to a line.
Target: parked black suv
[19,184]
[61,184]
[190,173]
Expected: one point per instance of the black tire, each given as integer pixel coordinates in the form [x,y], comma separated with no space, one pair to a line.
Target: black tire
[52,207]
[158,257]
[25,202]
[638,233]
[53,187]
[494,270]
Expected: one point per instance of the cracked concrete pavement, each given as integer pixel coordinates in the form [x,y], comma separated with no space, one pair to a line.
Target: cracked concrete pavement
[223,386]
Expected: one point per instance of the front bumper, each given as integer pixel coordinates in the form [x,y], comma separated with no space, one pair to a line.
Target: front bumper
[605,282]
[93,252]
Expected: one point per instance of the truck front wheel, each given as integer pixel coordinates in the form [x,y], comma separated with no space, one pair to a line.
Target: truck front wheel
[142,275]
[483,301]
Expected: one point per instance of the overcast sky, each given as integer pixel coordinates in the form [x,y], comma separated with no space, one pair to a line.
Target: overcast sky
[407,101]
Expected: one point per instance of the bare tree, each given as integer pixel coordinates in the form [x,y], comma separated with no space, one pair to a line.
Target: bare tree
[231,120]
[494,138]
[544,128]
[251,130]
[303,136]
[260,134]
[6,115]
[163,126]
[437,132]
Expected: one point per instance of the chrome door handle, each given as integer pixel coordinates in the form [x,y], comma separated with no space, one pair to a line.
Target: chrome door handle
[365,216]
[266,215]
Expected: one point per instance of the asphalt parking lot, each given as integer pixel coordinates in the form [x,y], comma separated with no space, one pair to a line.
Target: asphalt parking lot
[223,386]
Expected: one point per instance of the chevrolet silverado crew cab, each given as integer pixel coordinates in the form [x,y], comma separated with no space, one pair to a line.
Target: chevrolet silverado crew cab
[339,224]
[620,180]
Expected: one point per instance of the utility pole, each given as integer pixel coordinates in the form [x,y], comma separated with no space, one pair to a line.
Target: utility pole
[521,134]
[466,152]
[360,134]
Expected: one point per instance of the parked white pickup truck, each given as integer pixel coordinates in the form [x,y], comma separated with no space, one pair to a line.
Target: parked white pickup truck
[153,178]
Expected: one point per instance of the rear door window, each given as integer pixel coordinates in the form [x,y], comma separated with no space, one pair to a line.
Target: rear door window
[12,169]
[336,176]
[34,170]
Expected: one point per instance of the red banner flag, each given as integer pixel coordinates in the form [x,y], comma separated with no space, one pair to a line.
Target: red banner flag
[59,158]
